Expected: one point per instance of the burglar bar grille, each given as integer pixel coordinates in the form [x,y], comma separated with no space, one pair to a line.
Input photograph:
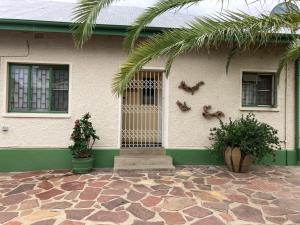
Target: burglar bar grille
[142,111]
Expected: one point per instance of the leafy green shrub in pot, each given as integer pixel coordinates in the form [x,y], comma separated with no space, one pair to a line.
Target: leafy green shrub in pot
[83,137]
[244,140]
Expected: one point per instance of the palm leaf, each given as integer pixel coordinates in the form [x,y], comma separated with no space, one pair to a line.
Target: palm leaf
[292,53]
[233,29]
[85,16]
[152,12]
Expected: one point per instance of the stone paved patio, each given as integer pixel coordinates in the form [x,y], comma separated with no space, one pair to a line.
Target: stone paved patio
[204,195]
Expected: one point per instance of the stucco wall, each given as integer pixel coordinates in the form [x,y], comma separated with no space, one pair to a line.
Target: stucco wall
[91,72]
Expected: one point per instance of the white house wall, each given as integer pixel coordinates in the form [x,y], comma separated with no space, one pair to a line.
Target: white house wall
[91,71]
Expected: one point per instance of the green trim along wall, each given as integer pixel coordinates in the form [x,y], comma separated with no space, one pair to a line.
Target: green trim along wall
[64,27]
[43,159]
[297,110]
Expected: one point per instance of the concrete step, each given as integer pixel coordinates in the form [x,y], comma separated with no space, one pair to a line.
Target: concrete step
[143,162]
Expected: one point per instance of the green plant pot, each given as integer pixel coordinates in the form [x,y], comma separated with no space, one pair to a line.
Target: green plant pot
[82,165]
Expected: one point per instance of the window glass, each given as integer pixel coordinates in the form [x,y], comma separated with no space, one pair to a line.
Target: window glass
[38,88]
[19,87]
[258,89]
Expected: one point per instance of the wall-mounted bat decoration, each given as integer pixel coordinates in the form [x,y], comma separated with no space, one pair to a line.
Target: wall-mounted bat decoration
[182,106]
[189,89]
[209,115]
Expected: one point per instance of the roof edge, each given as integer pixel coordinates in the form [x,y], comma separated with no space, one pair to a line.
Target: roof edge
[65,27]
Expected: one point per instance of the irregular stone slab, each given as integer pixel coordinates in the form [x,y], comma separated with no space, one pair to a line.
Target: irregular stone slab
[172,218]
[276,219]
[248,213]
[78,214]
[238,198]
[89,193]
[206,196]
[177,191]
[119,184]
[114,203]
[159,192]
[198,180]
[21,188]
[13,199]
[29,204]
[177,203]
[295,218]
[72,195]
[140,212]
[197,212]
[276,211]
[138,222]
[160,187]
[107,216]
[69,222]
[294,180]
[44,222]
[13,223]
[98,184]
[57,205]
[142,188]
[151,201]
[263,195]
[113,192]
[135,196]
[72,186]
[106,198]
[42,215]
[28,174]
[130,174]
[245,191]
[85,204]
[211,220]
[6,216]
[45,185]
[216,181]
[288,203]
[49,194]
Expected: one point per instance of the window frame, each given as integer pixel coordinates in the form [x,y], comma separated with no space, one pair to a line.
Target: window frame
[29,110]
[274,90]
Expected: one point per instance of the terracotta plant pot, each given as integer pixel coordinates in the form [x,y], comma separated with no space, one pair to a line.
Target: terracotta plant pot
[235,162]
[82,165]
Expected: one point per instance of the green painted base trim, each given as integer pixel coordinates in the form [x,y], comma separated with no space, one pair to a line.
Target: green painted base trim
[205,157]
[17,159]
[194,157]
[44,159]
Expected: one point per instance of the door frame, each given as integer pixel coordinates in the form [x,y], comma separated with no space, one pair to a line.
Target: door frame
[164,113]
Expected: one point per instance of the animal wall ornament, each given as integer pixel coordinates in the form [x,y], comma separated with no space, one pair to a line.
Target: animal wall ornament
[182,106]
[189,89]
[208,115]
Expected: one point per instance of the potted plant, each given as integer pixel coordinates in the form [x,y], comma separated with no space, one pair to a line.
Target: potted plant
[83,137]
[244,140]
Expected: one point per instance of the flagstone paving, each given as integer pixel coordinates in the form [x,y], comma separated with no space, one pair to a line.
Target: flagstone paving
[204,195]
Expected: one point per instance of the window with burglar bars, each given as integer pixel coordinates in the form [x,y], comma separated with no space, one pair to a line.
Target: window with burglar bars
[38,88]
[258,89]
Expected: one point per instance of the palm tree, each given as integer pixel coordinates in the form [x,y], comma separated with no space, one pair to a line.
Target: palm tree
[238,30]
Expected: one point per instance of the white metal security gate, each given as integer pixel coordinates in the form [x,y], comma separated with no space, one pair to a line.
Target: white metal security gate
[142,111]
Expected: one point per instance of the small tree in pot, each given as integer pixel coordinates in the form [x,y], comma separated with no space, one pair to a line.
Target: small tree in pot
[244,140]
[84,137]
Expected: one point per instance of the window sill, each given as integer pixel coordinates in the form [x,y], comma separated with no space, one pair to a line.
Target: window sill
[37,115]
[259,109]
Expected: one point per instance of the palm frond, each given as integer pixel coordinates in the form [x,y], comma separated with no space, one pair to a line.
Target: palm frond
[159,8]
[292,53]
[233,29]
[84,16]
